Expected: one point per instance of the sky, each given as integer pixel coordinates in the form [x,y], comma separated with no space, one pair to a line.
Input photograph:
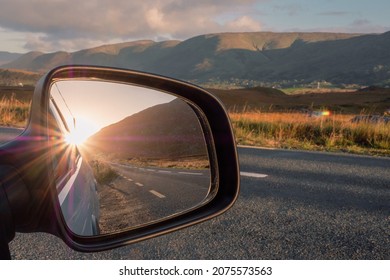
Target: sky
[70,25]
[108,103]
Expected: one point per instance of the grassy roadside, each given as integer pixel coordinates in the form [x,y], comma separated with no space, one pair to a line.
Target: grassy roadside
[14,112]
[190,163]
[299,131]
[103,172]
[270,129]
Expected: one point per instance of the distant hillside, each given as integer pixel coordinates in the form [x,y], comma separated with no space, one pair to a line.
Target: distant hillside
[132,55]
[164,131]
[246,58]
[11,77]
[371,100]
[6,57]
[251,99]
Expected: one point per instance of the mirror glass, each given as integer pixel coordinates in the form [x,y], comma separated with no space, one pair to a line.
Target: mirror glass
[124,156]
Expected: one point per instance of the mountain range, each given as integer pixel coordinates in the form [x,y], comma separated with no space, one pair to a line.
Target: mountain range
[249,59]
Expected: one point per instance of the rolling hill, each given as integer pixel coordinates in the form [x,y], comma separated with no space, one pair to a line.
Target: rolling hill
[6,57]
[164,131]
[289,58]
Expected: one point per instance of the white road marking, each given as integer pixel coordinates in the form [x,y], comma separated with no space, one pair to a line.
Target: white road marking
[159,195]
[191,173]
[150,170]
[163,171]
[139,184]
[253,175]
[131,180]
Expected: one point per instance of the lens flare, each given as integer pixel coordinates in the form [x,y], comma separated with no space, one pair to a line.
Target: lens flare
[81,131]
[76,137]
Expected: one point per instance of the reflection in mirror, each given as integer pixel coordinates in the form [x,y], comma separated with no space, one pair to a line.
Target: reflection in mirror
[124,156]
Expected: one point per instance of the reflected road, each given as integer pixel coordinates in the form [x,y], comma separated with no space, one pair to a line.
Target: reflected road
[141,195]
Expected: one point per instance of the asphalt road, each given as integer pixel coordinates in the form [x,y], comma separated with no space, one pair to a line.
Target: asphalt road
[293,205]
[145,195]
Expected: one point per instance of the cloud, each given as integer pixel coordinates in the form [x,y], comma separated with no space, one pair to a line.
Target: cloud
[333,13]
[244,23]
[365,26]
[361,23]
[76,24]
[359,26]
[289,9]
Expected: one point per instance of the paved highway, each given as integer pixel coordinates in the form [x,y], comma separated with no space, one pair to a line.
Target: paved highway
[144,195]
[293,205]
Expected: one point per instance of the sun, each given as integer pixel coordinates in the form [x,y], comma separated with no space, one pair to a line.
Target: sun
[76,138]
[80,133]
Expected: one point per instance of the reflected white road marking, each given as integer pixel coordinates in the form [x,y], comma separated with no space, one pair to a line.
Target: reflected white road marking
[139,184]
[191,173]
[253,175]
[131,180]
[159,195]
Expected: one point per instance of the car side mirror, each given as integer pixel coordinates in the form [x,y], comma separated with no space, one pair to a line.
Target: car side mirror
[118,156]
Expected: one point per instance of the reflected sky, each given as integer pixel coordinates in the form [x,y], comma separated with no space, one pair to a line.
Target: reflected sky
[96,104]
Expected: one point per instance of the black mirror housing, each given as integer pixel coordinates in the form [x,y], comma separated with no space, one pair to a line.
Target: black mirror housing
[29,155]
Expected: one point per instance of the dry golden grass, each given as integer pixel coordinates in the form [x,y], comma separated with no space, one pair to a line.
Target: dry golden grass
[14,112]
[300,131]
[190,163]
[271,129]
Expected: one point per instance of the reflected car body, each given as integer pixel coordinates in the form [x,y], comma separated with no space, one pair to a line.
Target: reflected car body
[75,182]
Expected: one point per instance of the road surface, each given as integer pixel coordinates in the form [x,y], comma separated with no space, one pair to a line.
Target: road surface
[143,195]
[292,205]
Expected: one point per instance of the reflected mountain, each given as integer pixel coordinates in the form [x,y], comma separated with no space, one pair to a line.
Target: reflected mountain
[166,131]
